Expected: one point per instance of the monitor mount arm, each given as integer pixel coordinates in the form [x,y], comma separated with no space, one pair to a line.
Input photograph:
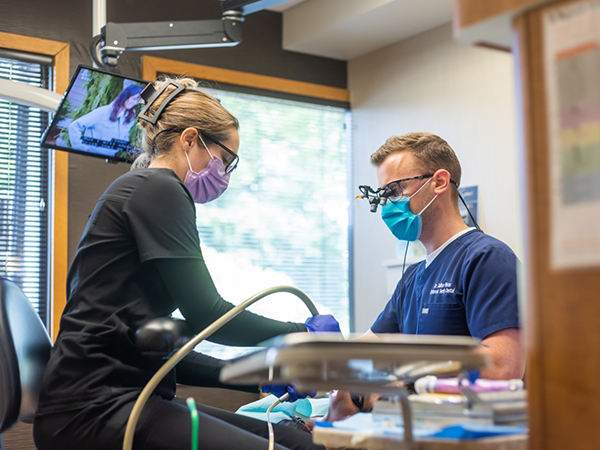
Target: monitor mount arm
[114,38]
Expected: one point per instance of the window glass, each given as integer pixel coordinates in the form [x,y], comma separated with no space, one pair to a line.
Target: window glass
[284,218]
[24,188]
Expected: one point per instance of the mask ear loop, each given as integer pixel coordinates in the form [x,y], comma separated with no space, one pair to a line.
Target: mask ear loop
[427,205]
[189,163]
[419,190]
[205,146]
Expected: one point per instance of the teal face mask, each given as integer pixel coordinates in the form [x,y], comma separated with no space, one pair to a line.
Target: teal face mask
[402,222]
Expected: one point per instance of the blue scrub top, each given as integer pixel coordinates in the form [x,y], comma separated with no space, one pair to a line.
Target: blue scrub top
[469,289]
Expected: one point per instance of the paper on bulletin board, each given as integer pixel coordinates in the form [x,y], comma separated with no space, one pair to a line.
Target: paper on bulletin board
[572,68]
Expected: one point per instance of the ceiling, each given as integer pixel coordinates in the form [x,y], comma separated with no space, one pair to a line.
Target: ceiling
[347,29]
[285,5]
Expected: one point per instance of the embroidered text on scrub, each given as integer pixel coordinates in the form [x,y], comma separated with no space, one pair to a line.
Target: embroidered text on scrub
[442,288]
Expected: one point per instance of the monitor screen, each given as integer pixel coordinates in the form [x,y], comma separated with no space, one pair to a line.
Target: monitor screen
[98,116]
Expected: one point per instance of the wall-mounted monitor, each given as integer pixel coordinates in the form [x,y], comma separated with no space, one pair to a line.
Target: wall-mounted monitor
[98,116]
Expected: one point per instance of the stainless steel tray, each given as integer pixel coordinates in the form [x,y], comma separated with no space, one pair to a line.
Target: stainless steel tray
[326,361]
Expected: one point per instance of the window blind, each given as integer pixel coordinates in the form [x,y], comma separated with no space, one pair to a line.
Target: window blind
[285,216]
[24,202]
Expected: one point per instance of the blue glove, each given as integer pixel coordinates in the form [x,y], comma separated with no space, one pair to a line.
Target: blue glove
[280,389]
[322,322]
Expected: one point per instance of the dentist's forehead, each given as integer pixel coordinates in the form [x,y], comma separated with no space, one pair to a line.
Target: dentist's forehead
[396,166]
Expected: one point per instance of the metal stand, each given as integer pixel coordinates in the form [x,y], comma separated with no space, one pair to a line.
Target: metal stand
[409,441]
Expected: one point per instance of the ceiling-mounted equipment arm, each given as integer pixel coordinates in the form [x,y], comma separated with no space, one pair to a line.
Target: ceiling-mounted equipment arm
[116,38]
[106,48]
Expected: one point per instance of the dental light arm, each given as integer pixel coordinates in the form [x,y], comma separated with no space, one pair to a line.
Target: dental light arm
[180,354]
[26,94]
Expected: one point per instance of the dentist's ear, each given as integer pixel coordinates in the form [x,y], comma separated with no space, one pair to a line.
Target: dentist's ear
[441,180]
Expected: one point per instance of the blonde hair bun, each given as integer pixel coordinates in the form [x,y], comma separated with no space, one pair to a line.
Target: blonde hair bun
[192,108]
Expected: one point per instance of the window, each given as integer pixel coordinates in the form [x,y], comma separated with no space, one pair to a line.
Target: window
[24,178]
[284,218]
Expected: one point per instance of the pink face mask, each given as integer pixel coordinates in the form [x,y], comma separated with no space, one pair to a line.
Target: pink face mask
[208,184]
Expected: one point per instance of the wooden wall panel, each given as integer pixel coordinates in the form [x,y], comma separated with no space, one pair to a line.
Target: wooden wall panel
[564,305]
[531,333]
[470,12]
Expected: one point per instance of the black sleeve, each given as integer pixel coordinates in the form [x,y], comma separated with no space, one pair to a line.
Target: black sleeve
[198,369]
[191,288]
[162,218]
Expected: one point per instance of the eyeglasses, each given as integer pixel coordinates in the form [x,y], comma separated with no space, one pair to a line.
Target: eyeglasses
[397,189]
[229,165]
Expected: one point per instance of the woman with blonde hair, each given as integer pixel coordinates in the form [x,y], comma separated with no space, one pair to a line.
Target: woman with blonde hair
[139,258]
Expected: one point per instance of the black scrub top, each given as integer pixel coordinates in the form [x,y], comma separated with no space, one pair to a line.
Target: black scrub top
[114,286]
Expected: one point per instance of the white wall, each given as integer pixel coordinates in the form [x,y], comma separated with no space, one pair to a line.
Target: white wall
[463,94]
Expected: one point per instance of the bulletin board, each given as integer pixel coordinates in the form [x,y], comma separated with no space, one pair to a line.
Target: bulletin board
[572,66]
